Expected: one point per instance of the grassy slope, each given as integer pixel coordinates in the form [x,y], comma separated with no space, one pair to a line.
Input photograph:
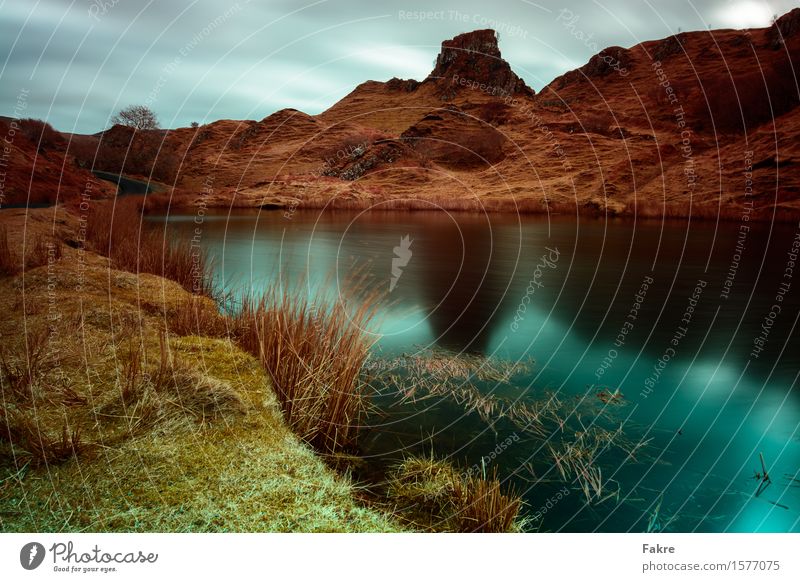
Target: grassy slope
[240,470]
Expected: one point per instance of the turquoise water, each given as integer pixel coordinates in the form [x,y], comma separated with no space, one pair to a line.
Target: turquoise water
[678,316]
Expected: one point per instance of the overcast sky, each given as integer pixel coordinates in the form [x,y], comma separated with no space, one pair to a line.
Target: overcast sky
[74,63]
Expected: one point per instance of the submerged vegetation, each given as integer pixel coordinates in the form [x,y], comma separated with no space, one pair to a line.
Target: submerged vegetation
[575,435]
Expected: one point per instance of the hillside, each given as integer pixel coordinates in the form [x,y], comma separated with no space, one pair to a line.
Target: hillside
[698,123]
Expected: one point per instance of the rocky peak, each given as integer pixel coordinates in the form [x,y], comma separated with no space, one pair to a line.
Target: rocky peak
[475,58]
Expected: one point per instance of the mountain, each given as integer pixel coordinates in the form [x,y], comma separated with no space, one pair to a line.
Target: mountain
[702,123]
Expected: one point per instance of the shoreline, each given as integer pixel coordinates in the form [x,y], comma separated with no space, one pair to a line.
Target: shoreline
[526,207]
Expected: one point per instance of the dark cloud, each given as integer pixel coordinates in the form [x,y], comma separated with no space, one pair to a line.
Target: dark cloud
[202,60]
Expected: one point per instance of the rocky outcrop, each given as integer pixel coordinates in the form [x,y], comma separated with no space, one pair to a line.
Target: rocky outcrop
[475,57]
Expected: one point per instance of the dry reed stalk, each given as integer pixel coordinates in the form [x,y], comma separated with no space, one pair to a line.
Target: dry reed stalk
[199,316]
[119,232]
[314,353]
[20,372]
[9,262]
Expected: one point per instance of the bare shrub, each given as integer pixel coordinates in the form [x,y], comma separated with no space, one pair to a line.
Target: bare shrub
[136,117]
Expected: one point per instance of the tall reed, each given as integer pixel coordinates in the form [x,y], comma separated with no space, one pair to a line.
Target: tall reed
[313,351]
[118,232]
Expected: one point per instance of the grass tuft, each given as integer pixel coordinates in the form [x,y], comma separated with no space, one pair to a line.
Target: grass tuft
[443,499]
[31,442]
[314,354]
[20,372]
[168,391]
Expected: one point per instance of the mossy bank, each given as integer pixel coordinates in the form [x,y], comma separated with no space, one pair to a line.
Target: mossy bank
[110,422]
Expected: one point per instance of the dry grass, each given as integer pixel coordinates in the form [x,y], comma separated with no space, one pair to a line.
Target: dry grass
[150,432]
[485,508]
[197,315]
[168,391]
[662,210]
[442,499]
[377,201]
[43,251]
[119,232]
[22,369]
[9,263]
[32,444]
[448,203]
[313,352]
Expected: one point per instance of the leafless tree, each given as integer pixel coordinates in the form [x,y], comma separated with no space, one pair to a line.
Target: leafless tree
[137,117]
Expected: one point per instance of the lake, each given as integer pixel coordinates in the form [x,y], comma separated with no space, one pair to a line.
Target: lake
[694,323]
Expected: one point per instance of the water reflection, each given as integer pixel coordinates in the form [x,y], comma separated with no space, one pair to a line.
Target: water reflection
[712,410]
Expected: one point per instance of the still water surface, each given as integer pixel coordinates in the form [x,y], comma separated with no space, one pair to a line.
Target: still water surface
[694,322]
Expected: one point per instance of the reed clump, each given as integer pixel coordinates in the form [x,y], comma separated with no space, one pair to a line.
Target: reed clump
[313,351]
[41,250]
[22,367]
[119,232]
[440,498]
[197,315]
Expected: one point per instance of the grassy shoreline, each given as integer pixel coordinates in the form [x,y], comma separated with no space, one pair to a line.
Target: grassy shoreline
[641,210]
[130,403]
[215,455]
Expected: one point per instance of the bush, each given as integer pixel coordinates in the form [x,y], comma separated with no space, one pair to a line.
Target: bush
[42,133]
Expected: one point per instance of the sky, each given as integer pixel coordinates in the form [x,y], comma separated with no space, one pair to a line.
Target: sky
[74,63]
